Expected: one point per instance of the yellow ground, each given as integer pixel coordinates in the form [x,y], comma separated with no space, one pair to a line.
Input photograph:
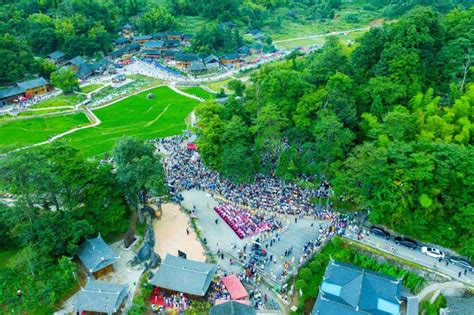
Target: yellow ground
[170,234]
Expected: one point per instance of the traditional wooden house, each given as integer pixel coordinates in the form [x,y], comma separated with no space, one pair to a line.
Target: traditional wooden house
[174,36]
[25,89]
[34,87]
[127,30]
[142,39]
[212,62]
[197,67]
[232,308]
[99,297]
[121,41]
[154,44]
[97,256]
[151,53]
[58,57]
[159,36]
[187,37]
[168,55]
[231,59]
[184,60]
[171,43]
[180,275]
[128,49]
[76,62]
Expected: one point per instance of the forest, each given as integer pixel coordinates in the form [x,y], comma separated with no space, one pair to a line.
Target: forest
[389,125]
[30,29]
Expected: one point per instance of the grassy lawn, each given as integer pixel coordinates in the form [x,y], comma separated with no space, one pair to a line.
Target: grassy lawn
[6,116]
[19,133]
[90,88]
[199,92]
[135,116]
[61,100]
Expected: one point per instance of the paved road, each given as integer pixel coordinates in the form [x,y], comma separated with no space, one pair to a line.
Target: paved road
[416,256]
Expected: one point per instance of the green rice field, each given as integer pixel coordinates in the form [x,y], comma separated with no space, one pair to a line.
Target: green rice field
[199,92]
[23,132]
[135,116]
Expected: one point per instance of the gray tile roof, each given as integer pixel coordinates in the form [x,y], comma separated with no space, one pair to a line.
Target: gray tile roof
[95,254]
[186,57]
[142,37]
[232,308]
[32,84]
[211,58]
[56,55]
[103,297]
[11,91]
[153,44]
[363,292]
[183,275]
[77,61]
[197,66]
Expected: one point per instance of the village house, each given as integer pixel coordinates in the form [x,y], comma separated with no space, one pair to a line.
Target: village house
[154,44]
[197,67]
[232,308]
[58,57]
[76,62]
[99,297]
[121,41]
[159,36]
[127,30]
[227,25]
[181,275]
[97,256]
[142,39]
[25,89]
[151,53]
[347,289]
[231,59]
[174,36]
[212,62]
[168,55]
[184,60]
[128,49]
[171,43]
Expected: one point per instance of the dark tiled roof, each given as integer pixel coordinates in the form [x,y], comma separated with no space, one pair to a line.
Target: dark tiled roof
[102,297]
[56,55]
[95,254]
[197,66]
[364,292]
[142,37]
[33,84]
[11,91]
[186,57]
[77,61]
[211,58]
[232,308]
[231,56]
[121,41]
[151,52]
[153,44]
[159,36]
[169,53]
[171,42]
[183,275]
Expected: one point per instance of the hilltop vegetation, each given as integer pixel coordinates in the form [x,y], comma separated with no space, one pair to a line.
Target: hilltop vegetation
[87,28]
[390,125]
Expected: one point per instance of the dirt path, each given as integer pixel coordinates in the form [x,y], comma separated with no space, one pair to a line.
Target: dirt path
[321,35]
[171,235]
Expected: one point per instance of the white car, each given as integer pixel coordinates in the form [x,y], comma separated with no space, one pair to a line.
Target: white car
[433,252]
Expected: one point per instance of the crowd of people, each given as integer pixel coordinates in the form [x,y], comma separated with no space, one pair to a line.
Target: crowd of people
[243,222]
[267,194]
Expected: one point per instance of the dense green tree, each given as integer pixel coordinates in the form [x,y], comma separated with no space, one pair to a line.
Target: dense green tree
[139,171]
[65,79]
[17,59]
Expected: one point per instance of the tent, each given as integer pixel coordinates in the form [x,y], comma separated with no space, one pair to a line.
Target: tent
[235,287]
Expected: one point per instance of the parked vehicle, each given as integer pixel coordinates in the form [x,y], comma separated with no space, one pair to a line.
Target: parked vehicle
[380,232]
[432,252]
[461,262]
[411,244]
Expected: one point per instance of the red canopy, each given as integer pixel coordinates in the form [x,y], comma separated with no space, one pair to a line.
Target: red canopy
[235,287]
[192,146]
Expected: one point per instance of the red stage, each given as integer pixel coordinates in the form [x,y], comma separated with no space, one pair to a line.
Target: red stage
[156,298]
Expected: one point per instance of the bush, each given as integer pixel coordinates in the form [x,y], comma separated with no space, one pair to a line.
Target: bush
[305,274]
[301,284]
